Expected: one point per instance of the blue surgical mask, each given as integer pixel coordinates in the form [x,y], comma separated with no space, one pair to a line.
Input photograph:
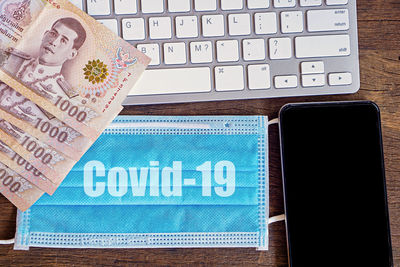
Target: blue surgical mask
[160,182]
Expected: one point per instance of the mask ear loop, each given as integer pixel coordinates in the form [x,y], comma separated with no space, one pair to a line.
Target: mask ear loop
[7,242]
[276,218]
[280,217]
[273,121]
[273,219]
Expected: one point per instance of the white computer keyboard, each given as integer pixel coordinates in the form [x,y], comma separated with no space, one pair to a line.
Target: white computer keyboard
[205,50]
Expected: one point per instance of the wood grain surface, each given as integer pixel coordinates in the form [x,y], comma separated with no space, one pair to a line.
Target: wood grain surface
[379,43]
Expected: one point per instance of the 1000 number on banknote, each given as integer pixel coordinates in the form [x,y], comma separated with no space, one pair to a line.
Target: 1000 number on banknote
[69,64]
[63,78]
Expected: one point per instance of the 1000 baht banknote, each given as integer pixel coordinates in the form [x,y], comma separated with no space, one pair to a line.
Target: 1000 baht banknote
[26,152]
[50,162]
[26,115]
[17,189]
[66,62]
[21,166]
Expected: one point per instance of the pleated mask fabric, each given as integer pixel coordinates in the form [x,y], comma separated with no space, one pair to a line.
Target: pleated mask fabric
[161,181]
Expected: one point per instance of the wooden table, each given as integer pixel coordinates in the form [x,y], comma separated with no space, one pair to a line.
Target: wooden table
[379,42]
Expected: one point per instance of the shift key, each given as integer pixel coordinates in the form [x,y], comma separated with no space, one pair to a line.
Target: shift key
[322,46]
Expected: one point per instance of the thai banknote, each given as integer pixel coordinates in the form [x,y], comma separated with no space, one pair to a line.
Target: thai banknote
[20,165]
[26,115]
[39,163]
[66,62]
[17,189]
[50,162]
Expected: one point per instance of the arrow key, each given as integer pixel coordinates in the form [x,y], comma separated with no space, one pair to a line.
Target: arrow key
[287,81]
[311,67]
[313,80]
[342,78]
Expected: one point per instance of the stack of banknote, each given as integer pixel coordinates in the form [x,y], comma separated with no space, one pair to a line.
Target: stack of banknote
[63,78]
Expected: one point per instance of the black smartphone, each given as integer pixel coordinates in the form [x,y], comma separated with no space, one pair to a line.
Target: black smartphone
[334,185]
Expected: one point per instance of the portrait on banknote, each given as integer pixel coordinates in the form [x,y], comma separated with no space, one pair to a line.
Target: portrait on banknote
[73,67]
[42,70]
[41,64]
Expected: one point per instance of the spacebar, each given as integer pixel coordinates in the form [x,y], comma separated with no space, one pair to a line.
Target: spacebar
[173,81]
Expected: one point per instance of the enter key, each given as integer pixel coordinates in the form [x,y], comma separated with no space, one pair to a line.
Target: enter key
[328,20]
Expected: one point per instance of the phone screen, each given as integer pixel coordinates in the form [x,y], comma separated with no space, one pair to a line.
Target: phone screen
[334,185]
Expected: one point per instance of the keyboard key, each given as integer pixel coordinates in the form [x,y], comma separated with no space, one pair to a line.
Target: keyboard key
[229,78]
[265,23]
[284,3]
[231,4]
[310,2]
[201,52]
[178,5]
[280,48]
[98,7]
[227,51]
[110,23]
[186,27]
[313,80]
[125,7]
[312,67]
[343,78]
[213,25]
[259,76]
[152,6]
[336,2]
[239,24]
[174,53]
[77,3]
[242,43]
[160,28]
[287,81]
[133,29]
[253,49]
[205,5]
[292,21]
[254,4]
[152,51]
[328,20]
[173,81]
[322,46]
